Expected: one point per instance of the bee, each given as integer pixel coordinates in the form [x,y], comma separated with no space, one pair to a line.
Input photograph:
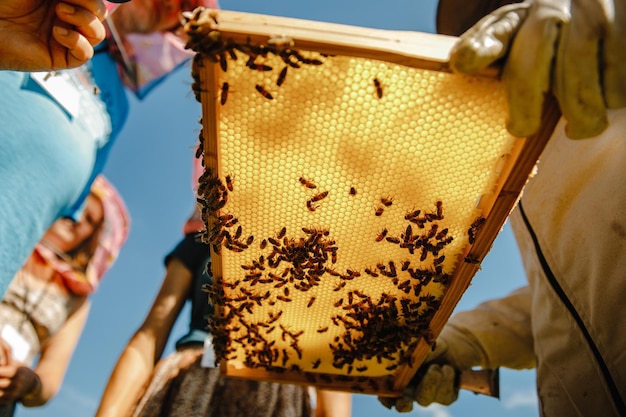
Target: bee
[381,235]
[259,67]
[249,240]
[471,259]
[307,183]
[352,274]
[332,272]
[231,222]
[392,268]
[311,206]
[318,197]
[361,368]
[282,233]
[408,233]
[224,93]
[311,301]
[340,286]
[352,191]
[264,92]
[369,272]
[299,352]
[339,302]
[412,214]
[405,286]
[235,249]
[326,378]
[283,299]
[281,76]
[373,384]
[387,201]
[475,228]
[432,232]
[405,265]
[442,234]
[379,211]
[439,205]
[317,363]
[392,239]
[379,88]
[223,63]
[229,183]
[225,217]
[322,329]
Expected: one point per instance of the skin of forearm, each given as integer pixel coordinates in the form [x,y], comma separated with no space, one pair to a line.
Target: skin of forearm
[131,372]
[333,404]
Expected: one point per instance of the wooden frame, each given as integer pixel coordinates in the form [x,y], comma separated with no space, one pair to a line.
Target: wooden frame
[410,49]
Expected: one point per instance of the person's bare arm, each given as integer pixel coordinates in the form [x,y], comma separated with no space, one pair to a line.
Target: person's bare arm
[41,35]
[333,404]
[137,361]
[35,387]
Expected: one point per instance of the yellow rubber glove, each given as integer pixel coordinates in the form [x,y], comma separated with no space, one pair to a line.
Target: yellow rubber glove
[437,379]
[576,48]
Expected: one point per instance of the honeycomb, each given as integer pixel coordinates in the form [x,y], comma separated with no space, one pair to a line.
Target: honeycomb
[343,194]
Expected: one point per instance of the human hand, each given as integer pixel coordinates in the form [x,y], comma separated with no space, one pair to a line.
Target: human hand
[5,352]
[437,380]
[16,381]
[574,48]
[40,35]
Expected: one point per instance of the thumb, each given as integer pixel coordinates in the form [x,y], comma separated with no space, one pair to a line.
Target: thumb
[5,353]
[528,69]
[488,40]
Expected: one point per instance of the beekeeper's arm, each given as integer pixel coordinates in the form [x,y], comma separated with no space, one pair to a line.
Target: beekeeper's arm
[496,333]
[574,48]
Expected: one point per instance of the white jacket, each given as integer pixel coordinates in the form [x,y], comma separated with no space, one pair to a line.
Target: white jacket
[570,322]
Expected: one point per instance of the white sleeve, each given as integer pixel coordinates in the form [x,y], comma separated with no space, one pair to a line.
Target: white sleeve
[500,330]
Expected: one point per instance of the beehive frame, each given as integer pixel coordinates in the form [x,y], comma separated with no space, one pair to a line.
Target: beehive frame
[320,308]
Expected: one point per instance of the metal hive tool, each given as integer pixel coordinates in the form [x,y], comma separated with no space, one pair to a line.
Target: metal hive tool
[352,187]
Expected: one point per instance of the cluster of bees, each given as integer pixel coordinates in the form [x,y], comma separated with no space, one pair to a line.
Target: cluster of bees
[385,327]
[207,41]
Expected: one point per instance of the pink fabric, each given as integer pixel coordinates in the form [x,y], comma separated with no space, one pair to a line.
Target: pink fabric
[155,55]
[112,237]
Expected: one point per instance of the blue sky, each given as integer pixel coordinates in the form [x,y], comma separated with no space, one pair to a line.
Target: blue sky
[151,166]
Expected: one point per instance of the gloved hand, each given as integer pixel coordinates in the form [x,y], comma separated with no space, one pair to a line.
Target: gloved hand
[437,379]
[576,48]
